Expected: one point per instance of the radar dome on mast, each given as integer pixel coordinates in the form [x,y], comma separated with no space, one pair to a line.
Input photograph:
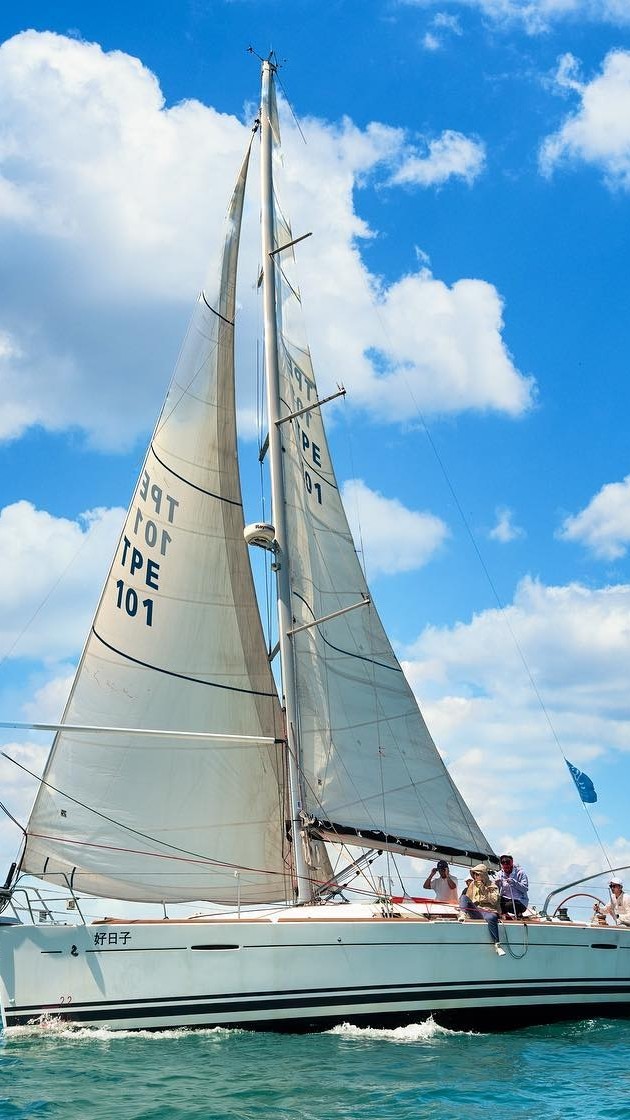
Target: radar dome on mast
[261,534]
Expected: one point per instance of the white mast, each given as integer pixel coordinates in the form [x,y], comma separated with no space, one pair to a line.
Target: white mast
[304,889]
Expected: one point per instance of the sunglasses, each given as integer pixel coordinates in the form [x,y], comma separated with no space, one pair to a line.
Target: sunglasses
[506,861]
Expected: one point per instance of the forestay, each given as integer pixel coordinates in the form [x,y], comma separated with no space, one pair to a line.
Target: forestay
[371,772]
[176,644]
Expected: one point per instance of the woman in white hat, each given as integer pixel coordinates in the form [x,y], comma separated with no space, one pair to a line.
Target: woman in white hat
[619,905]
[481,900]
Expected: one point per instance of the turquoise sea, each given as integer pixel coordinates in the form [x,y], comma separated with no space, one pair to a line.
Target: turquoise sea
[569,1071]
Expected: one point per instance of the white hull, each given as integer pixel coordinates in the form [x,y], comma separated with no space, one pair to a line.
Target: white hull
[308,968]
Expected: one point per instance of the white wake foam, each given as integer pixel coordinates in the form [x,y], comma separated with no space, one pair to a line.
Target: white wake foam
[415,1032]
[60,1029]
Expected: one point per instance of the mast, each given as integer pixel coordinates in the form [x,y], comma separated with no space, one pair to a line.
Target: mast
[304,890]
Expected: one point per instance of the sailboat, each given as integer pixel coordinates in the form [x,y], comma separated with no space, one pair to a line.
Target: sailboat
[188,769]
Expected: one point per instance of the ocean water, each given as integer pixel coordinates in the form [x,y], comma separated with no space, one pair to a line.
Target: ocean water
[579,1071]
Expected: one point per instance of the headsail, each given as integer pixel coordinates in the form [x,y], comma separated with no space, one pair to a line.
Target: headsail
[371,773]
[176,644]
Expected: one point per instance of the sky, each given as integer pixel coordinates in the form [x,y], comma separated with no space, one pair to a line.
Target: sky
[464,167]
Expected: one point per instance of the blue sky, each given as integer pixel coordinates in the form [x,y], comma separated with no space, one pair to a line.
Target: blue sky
[466,176]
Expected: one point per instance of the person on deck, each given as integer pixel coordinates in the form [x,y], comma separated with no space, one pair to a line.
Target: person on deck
[513,887]
[619,905]
[442,882]
[480,901]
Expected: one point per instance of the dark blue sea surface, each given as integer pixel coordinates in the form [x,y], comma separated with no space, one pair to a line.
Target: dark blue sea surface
[577,1071]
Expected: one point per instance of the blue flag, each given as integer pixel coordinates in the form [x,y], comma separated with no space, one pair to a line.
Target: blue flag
[585,787]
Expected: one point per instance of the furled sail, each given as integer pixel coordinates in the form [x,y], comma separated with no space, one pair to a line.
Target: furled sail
[371,773]
[176,644]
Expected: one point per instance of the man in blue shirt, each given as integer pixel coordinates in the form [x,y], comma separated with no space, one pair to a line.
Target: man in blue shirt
[513,887]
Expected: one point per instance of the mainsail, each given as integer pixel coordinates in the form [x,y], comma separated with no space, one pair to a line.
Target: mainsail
[176,644]
[371,774]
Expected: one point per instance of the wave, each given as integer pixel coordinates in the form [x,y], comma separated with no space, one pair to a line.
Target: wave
[414,1032]
[63,1029]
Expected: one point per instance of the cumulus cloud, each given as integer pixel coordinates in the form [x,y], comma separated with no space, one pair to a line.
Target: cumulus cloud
[106,226]
[480,686]
[111,204]
[439,348]
[505,530]
[413,344]
[603,525]
[392,537]
[598,132]
[51,572]
[451,155]
[537,16]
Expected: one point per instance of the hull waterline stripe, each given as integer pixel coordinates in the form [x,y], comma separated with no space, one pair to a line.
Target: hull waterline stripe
[365,993]
[176,1006]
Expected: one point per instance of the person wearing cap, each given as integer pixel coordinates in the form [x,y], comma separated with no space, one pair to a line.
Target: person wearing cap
[619,905]
[442,882]
[513,886]
[480,901]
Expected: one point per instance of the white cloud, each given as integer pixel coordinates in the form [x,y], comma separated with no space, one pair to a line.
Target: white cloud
[451,155]
[483,710]
[18,793]
[604,524]
[447,22]
[392,537]
[549,849]
[537,16]
[415,344]
[442,25]
[111,205]
[48,701]
[598,133]
[440,349]
[51,571]
[505,530]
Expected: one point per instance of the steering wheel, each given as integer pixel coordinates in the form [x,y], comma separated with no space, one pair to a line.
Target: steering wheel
[579,894]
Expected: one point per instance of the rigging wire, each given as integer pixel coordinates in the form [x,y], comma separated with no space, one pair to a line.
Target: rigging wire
[85,538]
[183,853]
[486,572]
[12,818]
